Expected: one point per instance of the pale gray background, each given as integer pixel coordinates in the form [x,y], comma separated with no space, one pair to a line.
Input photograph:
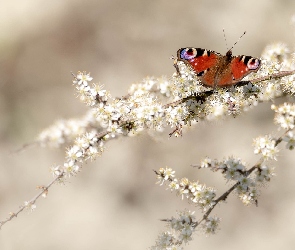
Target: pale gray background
[113,203]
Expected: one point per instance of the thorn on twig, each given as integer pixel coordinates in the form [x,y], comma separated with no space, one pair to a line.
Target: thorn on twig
[256,203]
[196,166]
[26,145]
[177,131]
[166,220]
[73,75]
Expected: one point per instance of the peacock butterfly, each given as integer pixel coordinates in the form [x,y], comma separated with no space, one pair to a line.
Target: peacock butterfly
[216,70]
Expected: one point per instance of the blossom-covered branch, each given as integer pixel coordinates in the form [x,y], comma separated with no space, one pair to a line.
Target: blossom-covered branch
[156,104]
[185,100]
[246,186]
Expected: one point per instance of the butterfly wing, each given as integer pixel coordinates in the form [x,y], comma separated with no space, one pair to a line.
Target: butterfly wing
[244,65]
[198,59]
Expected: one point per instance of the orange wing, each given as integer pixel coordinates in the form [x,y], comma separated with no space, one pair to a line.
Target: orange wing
[244,65]
[202,63]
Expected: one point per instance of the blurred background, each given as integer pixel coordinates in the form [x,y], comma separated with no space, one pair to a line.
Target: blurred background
[114,202]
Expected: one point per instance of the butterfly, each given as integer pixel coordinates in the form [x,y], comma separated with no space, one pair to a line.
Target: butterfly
[217,70]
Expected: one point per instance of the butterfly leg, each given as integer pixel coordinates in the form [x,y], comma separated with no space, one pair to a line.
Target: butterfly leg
[242,83]
[176,65]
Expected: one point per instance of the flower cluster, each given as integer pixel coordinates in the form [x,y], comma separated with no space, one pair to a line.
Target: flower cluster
[185,82]
[85,147]
[152,86]
[285,118]
[233,169]
[91,95]
[266,147]
[30,206]
[285,115]
[211,225]
[181,232]
[277,53]
[62,132]
[290,139]
[199,194]
[275,58]
[264,173]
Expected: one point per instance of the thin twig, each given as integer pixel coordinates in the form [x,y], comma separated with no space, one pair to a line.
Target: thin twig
[224,196]
[32,201]
[273,76]
[25,146]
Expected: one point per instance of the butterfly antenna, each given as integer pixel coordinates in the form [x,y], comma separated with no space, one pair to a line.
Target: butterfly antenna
[225,38]
[238,40]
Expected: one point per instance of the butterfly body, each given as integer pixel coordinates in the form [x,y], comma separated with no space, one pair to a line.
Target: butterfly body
[215,69]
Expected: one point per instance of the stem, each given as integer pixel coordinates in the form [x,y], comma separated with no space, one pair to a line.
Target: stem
[32,201]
